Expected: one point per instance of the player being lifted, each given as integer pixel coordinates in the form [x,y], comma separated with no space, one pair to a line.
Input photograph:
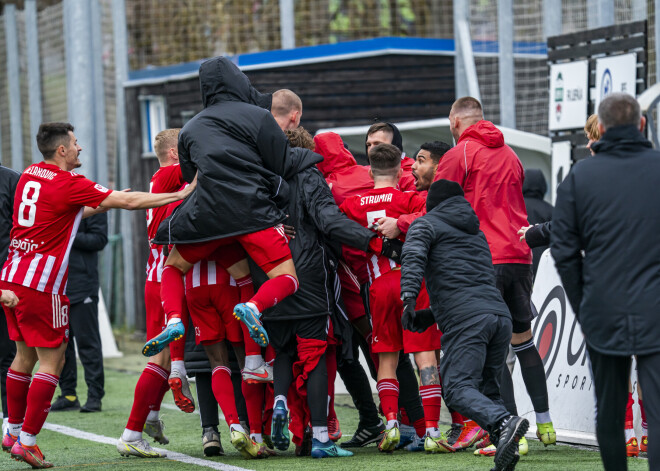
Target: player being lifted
[51,201]
[386,306]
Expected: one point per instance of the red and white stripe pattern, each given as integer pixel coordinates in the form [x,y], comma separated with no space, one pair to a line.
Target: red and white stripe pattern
[45,273]
[378,265]
[155,263]
[16,376]
[208,273]
[294,281]
[388,385]
[220,370]
[47,378]
[158,370]
[280,230]
[430,391]
[60,313]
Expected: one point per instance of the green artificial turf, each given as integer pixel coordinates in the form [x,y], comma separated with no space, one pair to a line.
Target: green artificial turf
[184,433]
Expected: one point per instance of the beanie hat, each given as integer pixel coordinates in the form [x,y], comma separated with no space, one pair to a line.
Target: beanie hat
[440,191]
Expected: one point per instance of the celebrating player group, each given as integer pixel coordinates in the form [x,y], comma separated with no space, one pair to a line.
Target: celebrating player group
[277,258]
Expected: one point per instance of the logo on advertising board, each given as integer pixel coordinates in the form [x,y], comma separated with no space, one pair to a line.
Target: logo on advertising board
[568,92]
[606,84]
[615,74]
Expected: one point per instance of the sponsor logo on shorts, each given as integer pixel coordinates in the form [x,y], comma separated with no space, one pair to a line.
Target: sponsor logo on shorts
[198,332]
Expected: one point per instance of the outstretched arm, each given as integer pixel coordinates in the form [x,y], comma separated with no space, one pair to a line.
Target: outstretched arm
[140,200]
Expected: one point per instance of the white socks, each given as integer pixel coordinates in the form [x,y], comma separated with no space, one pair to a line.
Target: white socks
[179,366]
[252,362]
[391,423]
[281,398]
[127,436]
[15,429]
[630,433]
[257,438]
[153,416]
[237,427]
[28,439]
[432,432]
[543,417]
[174,320]
[253,307]
[321,434]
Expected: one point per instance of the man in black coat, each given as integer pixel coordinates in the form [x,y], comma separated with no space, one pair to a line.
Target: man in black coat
[238,151]
[298,325]
[447,248]
[8,180]
[538,210]
[83,292]
[604,242]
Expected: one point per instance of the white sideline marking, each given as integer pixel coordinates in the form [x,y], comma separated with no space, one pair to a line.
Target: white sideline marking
[171,455]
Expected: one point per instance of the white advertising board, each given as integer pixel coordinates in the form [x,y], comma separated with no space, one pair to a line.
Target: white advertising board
[615,74]
[562,347]
[568,95]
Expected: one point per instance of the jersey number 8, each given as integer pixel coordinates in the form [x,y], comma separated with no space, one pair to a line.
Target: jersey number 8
[29,203]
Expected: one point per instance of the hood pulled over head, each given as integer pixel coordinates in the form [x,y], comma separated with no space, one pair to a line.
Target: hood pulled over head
[221,80]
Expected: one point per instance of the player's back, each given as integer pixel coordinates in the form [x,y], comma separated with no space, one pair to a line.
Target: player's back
[48,208]
[378,203]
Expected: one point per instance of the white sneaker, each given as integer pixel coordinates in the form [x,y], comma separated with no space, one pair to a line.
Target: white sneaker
[262,374]
[155,430]
[139,448]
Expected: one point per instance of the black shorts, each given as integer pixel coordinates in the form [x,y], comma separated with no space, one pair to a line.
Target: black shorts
[282,334]
[515,281]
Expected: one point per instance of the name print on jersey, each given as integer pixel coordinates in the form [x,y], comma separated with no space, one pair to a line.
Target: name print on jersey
[375,199]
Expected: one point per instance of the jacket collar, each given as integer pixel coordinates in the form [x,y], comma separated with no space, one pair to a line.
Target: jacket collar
[621,138]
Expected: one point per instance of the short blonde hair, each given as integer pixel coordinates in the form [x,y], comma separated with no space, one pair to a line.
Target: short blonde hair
[164,141]
[299,137]
[591,128]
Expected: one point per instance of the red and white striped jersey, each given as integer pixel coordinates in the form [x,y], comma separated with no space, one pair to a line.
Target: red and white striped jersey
[374,204]
[165,180]
[207,273]
[48,208]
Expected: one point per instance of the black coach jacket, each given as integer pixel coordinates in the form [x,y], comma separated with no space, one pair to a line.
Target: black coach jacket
[91,238]
[607,207]
[446,247]
[8,181]
[238,149]
[314,214]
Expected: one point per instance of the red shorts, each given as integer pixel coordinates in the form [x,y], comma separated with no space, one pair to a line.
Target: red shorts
[386,310]
[39,319]
[156,318]
[268,248]
[350,293]
[212,312]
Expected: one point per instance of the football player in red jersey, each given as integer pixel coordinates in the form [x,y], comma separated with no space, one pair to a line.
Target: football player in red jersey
[386,307]
[51,200]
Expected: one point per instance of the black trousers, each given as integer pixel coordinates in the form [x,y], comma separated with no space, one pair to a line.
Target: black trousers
[7,354]
[611,375]
[473,355]
[84,327]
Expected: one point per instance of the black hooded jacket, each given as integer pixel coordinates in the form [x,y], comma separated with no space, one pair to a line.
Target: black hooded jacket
[239,151]
[605,243]
[314,214]
[8,181]
[539,211]
[446,247]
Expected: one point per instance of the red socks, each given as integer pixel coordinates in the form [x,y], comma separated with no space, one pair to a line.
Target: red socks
[273,291]
[178,347]
[457,418]
[149,392]
[251,347]
[388,392]
[223,390]
[254,402]
[172,291]
[245,289]
[431,400]
[38,401]
[18,385]
[629,412]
